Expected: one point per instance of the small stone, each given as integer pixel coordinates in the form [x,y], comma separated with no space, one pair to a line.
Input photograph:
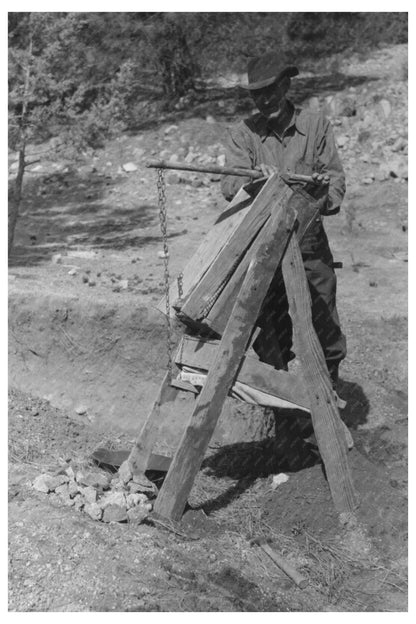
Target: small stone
[129,167]
[279,479]
[73,489]
[112,498]
[63,493]
[162,254]
[70,472]
[42,483]
[342,141]
[385,107]
[210,119]
[93,510]
[95,479]
[85,279]
[368,180]
[124,472]
[115,513]
[171,129]
[136,499]
[81,410]
[48,483]
[56,259]
[399,145]
[124,284]
[373,284]
[89,494]
[190,157]
[78,502]
[91,283]
[221,160]
[137,515]
[72,272]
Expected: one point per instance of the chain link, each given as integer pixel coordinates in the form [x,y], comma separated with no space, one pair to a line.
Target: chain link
[161,189]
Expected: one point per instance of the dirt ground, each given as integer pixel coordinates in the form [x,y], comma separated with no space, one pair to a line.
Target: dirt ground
[87,354]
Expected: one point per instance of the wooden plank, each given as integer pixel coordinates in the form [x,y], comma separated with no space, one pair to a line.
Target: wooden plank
[232,253]
[326,421]
[223,266]
[288,386]
[171,406]
[172,498]
[209,248]
[305,207]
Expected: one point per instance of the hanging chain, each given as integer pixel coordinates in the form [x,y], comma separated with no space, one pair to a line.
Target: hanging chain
[161,189]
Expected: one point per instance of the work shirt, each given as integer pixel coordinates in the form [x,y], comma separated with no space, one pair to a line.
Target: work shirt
[306,146]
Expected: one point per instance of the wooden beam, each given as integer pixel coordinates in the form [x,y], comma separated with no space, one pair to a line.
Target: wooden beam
[226,261]
[170,405]
[306,209]
[172,498]
[279,383]
[326,421]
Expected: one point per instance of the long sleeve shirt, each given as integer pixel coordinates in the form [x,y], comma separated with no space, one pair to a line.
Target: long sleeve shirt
[306,146]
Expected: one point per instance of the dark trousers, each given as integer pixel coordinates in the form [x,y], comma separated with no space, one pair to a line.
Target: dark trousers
[273,343]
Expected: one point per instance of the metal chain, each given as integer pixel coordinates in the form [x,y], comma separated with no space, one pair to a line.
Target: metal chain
[161,189]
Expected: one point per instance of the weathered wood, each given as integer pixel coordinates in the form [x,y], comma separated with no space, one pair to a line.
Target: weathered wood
[223,266]
[307,211]
[326,421]
[209,248]
[172,498]
[288,386]
[170,405]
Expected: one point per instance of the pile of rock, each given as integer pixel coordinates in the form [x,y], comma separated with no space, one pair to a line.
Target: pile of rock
[122,497]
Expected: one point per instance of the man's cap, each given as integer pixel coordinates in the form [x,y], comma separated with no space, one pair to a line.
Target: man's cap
[263,71]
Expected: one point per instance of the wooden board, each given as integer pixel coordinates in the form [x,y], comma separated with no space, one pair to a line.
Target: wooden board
[171,404]
[288,386]
[326,421]
[172,498]
[305,207]
[226,261]
[213,242]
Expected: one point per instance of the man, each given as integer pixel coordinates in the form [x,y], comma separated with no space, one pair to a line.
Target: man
[286,139]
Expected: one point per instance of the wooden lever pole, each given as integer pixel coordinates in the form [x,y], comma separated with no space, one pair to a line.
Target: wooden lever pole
[235,171]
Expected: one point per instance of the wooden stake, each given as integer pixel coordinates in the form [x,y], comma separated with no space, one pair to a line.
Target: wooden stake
[326,421]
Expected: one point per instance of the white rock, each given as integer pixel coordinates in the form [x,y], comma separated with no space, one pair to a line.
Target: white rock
[112,498]
[72,272]
[385,107]
[137,515]
[210,119]
[162,255]
[342,141]
[124,284]
[171,128]
[279,479]
[81,410]
[89,494]
[129,167]
[124,472]
[93,510]
[221,160]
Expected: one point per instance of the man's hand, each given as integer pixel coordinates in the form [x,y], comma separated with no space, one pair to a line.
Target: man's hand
[321,179]
[267,170]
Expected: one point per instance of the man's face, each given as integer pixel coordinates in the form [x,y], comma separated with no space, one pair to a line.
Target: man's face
[269,100]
